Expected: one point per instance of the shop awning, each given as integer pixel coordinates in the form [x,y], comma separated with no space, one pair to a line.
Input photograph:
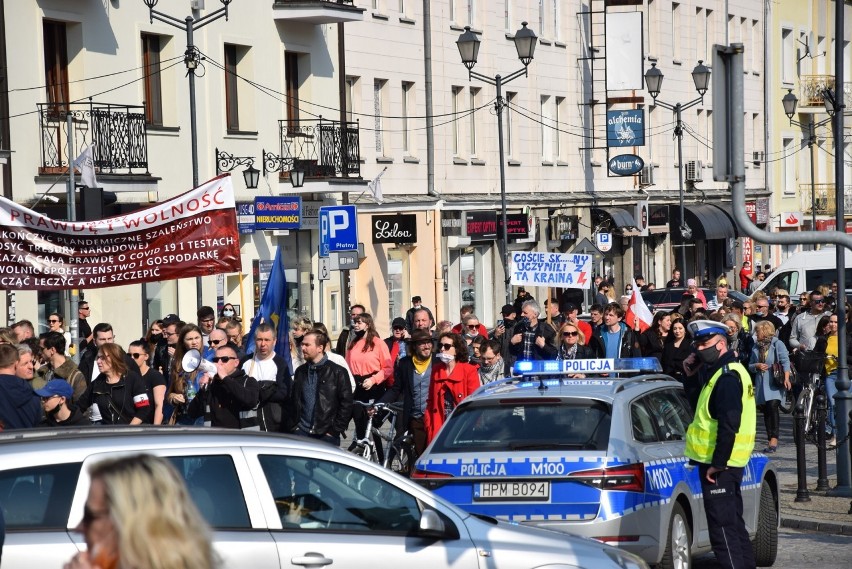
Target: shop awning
[707,221]
[621,218]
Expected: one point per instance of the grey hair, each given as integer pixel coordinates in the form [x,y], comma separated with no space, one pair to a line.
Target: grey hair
[470,317]
[24,349]
[532,304]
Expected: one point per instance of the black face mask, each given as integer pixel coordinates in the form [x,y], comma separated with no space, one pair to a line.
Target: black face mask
[156,337]
[55,410]
[298,339]
[358,333]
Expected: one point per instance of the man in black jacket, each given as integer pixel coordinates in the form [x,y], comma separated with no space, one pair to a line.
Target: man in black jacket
[532,340]
[320,404]
[411,384]
[230,399]
[272,375]
[614,339]
[58,410]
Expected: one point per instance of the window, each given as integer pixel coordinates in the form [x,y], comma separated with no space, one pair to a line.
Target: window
[676,31]
[788,56]
[546,129]
[757,133]
[56,64]
[643,422]
[708,135]
[352,88]
[507,15]
[456,120]
[700,33]
[730,28]
[397,282]
[701,128]
[671,413]
[474,94]
[471,12]
[232,105]
[378,114]
[209,479]
[709,36]
[320,496]
[787,280]
[152,85]
[789,183]
[757,47]
[407,107]
[558,135]
[38,497]
[653,35]
[291,86]
[541,16]
[452,11]
[556,16]
[510,125]
[580,425]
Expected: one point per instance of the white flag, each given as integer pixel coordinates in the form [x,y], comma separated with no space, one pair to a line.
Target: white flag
[86,164]
[375,186]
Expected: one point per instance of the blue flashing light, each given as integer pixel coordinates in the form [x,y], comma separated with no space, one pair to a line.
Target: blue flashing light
[586,367]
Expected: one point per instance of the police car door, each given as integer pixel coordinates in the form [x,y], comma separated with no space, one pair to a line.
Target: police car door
[326,508]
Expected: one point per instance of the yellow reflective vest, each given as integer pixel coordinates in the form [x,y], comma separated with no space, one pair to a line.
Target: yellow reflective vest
[701,435]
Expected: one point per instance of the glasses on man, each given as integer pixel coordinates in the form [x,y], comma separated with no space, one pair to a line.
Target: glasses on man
[398,328]
[223,359]
[214,342]
[818,301]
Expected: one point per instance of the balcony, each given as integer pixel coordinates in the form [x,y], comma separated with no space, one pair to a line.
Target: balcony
[116,133]
[824,203]
[811,89]
[317,11]
[323,149]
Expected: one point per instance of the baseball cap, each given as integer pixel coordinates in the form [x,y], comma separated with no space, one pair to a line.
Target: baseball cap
[58,387]
[569,307]
[398,323]
[416,299]
[700,329]
[170,319]
[507,310]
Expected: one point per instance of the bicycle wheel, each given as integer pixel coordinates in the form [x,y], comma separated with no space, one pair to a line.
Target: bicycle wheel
[788,402]
[401,459]
[806,400]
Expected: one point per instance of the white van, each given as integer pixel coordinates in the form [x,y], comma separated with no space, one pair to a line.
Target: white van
[805,271]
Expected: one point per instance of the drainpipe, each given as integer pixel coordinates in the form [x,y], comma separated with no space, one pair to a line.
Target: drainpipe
[427,83]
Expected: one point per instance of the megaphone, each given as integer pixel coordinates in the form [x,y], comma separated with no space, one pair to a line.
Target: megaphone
[192,361]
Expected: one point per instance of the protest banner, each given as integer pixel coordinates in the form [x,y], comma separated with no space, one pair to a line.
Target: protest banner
[194,234]
[565,270]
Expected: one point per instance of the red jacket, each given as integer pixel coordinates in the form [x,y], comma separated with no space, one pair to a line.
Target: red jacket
[462,382]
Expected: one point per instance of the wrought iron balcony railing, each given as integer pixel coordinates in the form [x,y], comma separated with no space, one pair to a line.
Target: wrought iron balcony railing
[824,199]
[116,133]
[322,148]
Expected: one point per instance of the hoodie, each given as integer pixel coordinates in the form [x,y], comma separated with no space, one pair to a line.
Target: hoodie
[20,407]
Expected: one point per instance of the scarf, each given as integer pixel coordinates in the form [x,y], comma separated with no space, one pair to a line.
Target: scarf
[567,354]
[420,365]
[763,350]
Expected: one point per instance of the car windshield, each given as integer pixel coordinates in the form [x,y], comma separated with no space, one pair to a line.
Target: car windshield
[509,425]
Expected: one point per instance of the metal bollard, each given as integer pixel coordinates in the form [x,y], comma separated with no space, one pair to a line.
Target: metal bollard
[802,494]
[821,408]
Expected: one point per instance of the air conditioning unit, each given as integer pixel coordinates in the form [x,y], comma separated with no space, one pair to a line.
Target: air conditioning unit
[694,171]
[646,176]
[757,157]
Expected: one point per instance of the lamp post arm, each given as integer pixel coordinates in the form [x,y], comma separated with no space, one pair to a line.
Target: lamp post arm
[484,78]
[514,75]
[166,19]
[211,17]
[664,105]
[692,103]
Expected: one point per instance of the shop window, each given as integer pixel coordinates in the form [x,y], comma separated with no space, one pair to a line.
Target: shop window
[470,277]
[161,298]
[397,282]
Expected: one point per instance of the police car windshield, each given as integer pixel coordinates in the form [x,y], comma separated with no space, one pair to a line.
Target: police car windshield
[509,426]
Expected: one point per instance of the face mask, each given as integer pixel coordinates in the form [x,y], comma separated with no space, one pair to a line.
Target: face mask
[709,355]
[445,357]
[298,339]
[475,360]
[470,334]
[228,313]
[156,337]
[358,333]
[55,410]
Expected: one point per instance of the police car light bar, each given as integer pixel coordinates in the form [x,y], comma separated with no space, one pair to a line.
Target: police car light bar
[596,366]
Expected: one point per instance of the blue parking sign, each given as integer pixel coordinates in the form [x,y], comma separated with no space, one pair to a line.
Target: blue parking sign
[338,227]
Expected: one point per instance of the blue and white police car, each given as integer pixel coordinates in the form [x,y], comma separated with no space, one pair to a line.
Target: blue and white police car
[600,455]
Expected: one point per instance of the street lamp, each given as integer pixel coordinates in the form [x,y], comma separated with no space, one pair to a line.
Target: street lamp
[654,82]
[525,42]
[790,103]
[274,163]
[191,58]
[227,162]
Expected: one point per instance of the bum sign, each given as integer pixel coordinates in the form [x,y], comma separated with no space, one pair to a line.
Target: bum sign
[566,270]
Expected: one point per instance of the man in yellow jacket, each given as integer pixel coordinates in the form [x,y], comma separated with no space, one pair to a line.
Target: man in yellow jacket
[721,439]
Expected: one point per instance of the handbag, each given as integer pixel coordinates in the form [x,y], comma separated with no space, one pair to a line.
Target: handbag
[778,376]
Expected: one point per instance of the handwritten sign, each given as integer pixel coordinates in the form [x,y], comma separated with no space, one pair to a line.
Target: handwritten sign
[193,234]
[565,270]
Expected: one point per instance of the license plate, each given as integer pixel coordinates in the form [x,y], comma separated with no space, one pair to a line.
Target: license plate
[533,490]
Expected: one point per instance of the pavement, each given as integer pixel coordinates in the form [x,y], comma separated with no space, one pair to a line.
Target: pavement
[823,513]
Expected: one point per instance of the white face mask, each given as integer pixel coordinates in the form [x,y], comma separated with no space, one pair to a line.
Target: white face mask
[228,313]
[445,357]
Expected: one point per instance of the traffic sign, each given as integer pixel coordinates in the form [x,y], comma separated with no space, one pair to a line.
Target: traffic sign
[324,269]
[338,227]
[604,242]
[344,260]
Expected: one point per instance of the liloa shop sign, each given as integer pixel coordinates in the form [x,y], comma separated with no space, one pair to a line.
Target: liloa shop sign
[394,228]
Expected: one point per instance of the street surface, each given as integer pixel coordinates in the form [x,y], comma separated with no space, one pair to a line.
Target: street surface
[801,549]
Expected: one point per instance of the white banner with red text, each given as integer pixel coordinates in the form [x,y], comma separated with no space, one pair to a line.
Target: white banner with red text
[194,234]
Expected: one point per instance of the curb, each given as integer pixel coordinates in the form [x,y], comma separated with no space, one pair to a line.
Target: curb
[817,525]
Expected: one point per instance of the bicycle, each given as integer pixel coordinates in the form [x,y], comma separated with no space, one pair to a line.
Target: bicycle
[811,366]
[399,456]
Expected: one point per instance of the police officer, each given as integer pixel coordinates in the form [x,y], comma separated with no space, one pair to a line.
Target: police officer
[720,440]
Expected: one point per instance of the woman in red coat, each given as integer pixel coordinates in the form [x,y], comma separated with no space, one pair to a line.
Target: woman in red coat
[453,379]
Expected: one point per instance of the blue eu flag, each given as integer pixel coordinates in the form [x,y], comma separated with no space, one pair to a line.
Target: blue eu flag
[273,309]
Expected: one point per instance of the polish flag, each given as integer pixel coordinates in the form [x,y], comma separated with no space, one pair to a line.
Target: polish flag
[638,316]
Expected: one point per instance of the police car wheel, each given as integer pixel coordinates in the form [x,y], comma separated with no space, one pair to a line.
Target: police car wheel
[678,554]
[765,544]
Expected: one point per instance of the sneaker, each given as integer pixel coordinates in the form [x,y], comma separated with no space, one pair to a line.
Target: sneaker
[770,449]
[831,443]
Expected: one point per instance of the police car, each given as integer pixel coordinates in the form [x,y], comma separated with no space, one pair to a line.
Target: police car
[600,455]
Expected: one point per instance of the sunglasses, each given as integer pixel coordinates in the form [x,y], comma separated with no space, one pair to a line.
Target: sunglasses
[53,321]
[46,399]
[818,301]
[398,328]
[447,346]
[570,334]
[473,326]
[223,359]
[89,516]
[214,342]
[136,356]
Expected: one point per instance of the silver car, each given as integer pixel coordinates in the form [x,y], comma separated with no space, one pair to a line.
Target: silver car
[273,501]
[600,456]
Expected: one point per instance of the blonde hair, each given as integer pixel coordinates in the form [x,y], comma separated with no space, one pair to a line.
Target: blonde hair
[581,338]
[157,524]
[765,326]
